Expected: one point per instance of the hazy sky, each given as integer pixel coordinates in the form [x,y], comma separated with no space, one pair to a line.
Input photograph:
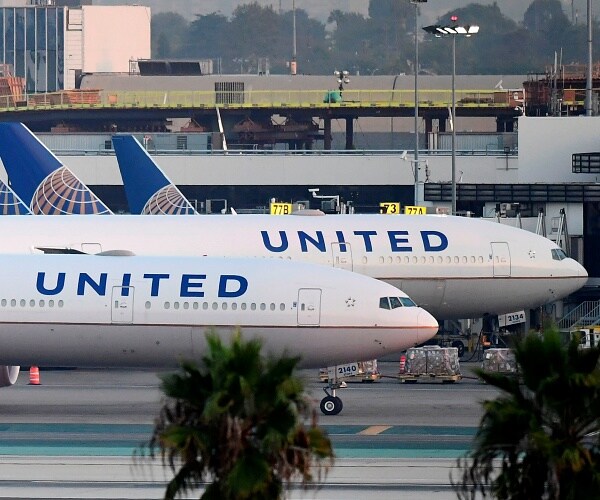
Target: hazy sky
[321,8]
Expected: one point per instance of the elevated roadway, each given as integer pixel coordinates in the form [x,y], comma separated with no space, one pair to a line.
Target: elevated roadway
[98,110]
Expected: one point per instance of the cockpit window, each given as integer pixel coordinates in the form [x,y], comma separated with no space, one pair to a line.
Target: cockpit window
[395,302]
[558,254]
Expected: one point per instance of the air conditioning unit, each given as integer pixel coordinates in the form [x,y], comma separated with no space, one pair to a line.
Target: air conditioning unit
[329,206]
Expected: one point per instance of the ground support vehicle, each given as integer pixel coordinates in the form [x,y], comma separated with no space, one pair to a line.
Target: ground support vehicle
[588,337]
[361,371]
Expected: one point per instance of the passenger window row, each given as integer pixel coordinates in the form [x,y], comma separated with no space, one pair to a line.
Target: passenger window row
[31,303]
[431,259]
[223,306]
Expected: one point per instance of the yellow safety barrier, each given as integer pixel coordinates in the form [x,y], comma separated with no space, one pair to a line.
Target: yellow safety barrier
[299,99]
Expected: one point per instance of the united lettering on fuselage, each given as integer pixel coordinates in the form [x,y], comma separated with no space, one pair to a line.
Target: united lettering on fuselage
[190,285]
[395,241]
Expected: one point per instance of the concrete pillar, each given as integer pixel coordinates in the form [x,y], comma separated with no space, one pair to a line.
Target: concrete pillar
[428,124]
[442,123]
[349,133]
[327,133]
[505,124]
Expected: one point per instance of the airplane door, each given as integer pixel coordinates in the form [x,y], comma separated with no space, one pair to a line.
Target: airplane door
[342,255]
[122,304]
[501,259]
[309,307]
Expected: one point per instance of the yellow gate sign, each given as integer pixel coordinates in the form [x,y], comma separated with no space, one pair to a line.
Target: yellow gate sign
[410,210]
[389,207]
[281,208]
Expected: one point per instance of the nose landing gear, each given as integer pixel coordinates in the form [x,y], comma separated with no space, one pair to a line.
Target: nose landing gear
[331,404]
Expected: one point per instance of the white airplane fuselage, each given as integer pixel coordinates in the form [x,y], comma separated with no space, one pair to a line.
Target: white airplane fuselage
[454,267]
[82,310]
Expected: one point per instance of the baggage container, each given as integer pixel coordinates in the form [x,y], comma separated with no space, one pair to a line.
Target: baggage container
[431,363]
[499,360]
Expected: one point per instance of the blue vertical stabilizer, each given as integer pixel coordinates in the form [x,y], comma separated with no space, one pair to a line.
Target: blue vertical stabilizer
[40,179]
[147,188]
[10,203]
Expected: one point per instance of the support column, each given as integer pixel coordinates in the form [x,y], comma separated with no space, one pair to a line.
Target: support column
[499,124]
[327,133]
[442,123]
[349,133]
[428,124]
[505,124]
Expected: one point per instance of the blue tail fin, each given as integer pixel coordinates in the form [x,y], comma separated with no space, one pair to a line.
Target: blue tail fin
[40,179]
[147,188]
[10,203]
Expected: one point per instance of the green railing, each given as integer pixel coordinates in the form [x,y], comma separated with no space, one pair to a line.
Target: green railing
[73,99]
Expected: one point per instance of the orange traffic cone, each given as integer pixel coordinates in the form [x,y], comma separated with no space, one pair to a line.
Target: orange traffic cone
[34,375]
[402,364]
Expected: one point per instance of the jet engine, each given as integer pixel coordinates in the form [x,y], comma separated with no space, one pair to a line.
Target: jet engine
[9,375]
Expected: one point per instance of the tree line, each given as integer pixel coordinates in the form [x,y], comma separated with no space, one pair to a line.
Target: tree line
[256,38]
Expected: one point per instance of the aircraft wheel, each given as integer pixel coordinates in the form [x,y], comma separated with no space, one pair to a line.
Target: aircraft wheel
[331,405]
[460,346]
[339,405]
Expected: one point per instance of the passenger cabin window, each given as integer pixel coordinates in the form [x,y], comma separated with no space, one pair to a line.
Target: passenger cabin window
[558,254]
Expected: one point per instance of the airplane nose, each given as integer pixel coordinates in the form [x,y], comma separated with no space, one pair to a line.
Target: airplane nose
[581,271]
[428,325]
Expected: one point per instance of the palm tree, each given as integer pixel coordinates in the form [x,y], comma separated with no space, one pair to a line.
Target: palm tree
[238,425]
[540,438]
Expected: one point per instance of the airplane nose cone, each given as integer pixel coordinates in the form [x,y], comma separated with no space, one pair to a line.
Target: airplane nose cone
[428,325]
[582,276]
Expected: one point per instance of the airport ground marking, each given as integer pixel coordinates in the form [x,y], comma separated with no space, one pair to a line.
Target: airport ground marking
[374,430]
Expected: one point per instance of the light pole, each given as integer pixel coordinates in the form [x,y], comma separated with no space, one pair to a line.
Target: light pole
[589,79]
[293,64]
[416,69]
[453,30]
[342,77]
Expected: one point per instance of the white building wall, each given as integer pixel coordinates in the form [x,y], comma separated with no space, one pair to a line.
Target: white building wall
[73,47]
[249,170]
[113,35]
[546,145]
[545,149]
